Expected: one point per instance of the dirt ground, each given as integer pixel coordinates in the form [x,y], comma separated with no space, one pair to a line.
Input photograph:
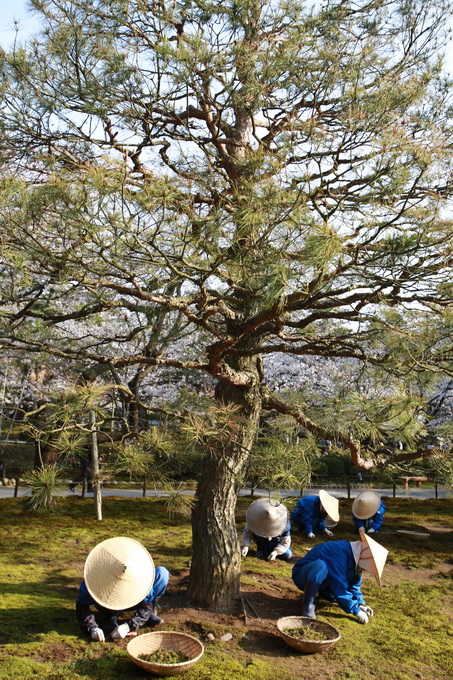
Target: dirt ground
[253,625]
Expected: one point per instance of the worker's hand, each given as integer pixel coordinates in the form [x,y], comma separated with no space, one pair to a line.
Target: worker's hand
[311,535]
[368,611]
[362,617]
[97,634]
[273,555]
[244,551]
[328,532]
[370,531]
[120,632]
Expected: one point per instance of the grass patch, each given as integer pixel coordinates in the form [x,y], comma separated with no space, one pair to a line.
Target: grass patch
[41,566]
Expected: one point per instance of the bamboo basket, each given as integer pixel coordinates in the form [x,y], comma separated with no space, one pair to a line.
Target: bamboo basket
[308,646]
[179,642]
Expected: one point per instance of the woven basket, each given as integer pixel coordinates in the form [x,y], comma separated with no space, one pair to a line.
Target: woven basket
[178,642]
[308,646]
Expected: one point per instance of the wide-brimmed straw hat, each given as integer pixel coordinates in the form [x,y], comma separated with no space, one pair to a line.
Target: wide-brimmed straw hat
[119,573]
[366,504]
[330,505]
[373,557]
[267,517]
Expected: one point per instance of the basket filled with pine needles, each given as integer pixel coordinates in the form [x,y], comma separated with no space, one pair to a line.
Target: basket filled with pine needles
[308,635]
[165,652]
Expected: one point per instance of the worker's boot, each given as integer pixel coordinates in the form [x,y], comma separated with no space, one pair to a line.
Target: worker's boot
[153,619]
[308,603]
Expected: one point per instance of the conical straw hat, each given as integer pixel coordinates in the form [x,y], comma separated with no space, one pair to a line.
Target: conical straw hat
[366,504]
[119,573]
[330,505]
[373,557]
[267,518]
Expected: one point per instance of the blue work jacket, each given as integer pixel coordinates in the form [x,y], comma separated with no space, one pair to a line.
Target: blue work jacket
[343,578]
[308,515]
[374,522]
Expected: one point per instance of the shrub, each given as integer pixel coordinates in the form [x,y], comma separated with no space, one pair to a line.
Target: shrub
[320,469]
[335,465]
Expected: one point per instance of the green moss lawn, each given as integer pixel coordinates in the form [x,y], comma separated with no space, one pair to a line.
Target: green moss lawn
[41,566]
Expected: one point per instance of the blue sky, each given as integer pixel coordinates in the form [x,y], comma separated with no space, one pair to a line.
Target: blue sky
[11,10]
[16,10]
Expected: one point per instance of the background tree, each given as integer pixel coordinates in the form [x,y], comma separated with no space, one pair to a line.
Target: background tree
[277,173]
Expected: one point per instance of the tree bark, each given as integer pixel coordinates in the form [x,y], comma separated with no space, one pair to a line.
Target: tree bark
[215,568]
[95,466]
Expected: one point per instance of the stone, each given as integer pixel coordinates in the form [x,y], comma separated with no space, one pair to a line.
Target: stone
[227,637]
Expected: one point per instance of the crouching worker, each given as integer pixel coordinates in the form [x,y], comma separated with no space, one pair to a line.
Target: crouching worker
[119,576]
[368,511]
[310,513]
[333,571]
[268,526]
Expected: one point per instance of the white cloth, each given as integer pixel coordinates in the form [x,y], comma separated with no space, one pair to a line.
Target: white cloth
[361,616]
[120,632]
[356,550]
[97,634]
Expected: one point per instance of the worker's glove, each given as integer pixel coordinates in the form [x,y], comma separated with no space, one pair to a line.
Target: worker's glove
[120,632]
[273,555]
[97,634]
[311,535]
[370,531]
[328,532]
[244,551]
[362,617]
[368,611]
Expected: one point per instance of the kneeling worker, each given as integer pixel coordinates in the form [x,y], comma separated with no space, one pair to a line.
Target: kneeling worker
[368,511]
[310,513]
[333,570]
[119,576]
[268,526]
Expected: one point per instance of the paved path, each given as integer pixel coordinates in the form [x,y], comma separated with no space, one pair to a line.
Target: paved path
[413,492]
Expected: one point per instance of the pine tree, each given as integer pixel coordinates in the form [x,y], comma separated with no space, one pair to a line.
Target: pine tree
[277,173]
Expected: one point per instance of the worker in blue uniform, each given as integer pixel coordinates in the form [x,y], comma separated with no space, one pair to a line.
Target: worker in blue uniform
[334,570]
[368,511]
[310,513]
[267,526]
[119,576]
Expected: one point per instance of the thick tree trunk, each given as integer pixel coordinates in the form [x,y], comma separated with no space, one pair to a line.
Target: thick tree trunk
[215,568]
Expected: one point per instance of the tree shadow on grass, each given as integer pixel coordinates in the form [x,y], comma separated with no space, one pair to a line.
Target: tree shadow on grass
[26,625]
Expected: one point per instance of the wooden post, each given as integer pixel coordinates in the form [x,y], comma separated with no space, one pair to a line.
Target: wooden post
[436,490]
[95,465]
[16,486]
[84,487]
[349,489]
[144,487]
[394,490]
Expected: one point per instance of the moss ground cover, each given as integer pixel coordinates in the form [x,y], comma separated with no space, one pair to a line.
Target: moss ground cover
[41,566]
